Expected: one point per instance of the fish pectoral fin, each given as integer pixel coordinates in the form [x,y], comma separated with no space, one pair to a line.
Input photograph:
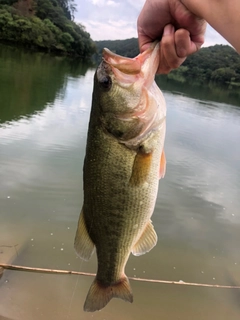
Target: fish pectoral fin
[146,242]
[141,167]
[83,244]
[99,295]
[163,162]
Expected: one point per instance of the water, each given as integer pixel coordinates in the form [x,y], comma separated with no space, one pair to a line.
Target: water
[45,105]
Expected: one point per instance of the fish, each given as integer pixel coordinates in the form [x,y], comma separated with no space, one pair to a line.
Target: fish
[123,162]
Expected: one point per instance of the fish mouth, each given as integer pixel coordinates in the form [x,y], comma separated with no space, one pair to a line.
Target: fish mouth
[105,68]
[123,75]
[131,66]
[140,69]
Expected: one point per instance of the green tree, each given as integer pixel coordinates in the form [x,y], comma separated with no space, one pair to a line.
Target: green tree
[223,75]
[50,27]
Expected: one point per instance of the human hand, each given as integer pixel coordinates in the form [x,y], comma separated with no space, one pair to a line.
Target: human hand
[180,31]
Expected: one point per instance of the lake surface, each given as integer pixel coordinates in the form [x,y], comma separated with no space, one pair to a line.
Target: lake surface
[45,105]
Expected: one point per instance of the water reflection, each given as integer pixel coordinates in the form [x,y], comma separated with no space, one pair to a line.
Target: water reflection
[31,81]
[197,214]
[208,92]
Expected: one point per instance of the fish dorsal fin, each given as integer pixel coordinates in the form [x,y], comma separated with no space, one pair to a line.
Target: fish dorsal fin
[83,244]
[147,240]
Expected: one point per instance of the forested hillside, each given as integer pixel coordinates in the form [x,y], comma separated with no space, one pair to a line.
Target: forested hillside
[127,48]
[45,25]
[219,63]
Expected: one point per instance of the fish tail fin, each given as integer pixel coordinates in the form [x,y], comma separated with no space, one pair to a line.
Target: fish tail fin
[99,295]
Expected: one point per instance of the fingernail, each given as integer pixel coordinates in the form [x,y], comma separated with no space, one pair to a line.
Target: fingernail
[168,29]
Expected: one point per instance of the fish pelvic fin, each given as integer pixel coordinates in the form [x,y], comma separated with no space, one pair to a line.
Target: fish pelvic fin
[83,244]
[147,240]
[99,295]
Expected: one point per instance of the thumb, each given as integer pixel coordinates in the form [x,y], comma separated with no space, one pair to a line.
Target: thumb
[168,30]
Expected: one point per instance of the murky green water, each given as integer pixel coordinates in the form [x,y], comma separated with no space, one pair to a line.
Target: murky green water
[44,110]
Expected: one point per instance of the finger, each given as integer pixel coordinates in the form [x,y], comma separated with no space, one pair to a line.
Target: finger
[168,55]
[184,44]
[143,41]
[198,35]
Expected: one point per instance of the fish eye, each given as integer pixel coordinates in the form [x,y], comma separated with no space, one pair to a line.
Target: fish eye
[106,82]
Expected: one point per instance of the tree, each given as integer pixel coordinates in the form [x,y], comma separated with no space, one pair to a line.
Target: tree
[223,75]
[48,26]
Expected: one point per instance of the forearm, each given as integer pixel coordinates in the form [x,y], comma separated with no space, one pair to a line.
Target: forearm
[222,15]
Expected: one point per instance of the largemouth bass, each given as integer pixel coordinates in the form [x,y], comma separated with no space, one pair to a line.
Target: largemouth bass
[123,163]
